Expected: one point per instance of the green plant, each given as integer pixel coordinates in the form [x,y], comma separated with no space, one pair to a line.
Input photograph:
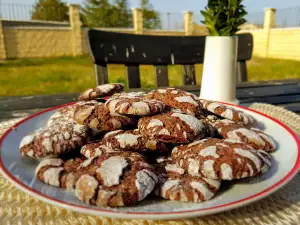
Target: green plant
[151,17]
[224,17]
[51,10]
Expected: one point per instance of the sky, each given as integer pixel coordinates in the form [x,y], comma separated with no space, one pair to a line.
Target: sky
[191,5]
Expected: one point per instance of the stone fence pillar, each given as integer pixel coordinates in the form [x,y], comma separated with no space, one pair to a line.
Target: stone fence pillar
[2,43]
[138,23]
[76,36]
[188,23]
[269,22]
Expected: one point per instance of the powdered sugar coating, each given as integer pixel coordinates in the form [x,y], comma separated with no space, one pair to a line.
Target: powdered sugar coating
[129,94]
[181,100]
[162,91]
[111,170]
[247,133]
[219,159]
[167,186]
[202,188]
[155,123]
[104,196]
[27,140]
[131,140]
[248,154]
[70,178]
[122,178]
[56,162]
[254,137]
[138,106]
[101,91]
[145,183]
[226,171]
[269,141]
[193,167]
[63,115]
[208,169]
[229,113]
[51,176]
[95,149]
[62,137]
[187,99]
[127,139]
[60,173]
[100,118]
[171,127]
[192,121]
[209,151]
[174,168]
[86,187]
[175,184]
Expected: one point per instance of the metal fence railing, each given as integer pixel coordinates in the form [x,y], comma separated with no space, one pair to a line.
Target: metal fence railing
[114,18]
[11,11]
[24,12]
[171,21]
[256,19]
[289,17]
[197,17]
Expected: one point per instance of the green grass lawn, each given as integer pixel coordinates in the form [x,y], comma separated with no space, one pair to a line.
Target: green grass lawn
[68,74]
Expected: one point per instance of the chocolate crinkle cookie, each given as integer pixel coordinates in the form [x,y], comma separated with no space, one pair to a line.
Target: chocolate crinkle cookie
[171,127]
[60,173]
[100,91]
[112,179]
[254,137]
[136,106]
[132,140]
[181,100]
[98,117]
[94,149]
[54,140]
[175,184]
[221,159]
[229,113]
[64,115]
[138,94]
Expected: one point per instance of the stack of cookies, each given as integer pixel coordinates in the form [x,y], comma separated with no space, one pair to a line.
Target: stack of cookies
[167,143]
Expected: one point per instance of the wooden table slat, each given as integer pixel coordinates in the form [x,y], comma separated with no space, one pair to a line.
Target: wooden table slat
[285,94]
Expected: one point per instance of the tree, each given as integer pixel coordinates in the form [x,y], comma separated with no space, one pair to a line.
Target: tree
[96,13]
[122,15]
[150,16]
[102,13]
[51,10]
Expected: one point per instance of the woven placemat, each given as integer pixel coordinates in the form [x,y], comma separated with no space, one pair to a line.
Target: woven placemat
[283,207]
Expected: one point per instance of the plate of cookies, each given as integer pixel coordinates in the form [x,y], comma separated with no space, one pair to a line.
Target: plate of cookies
[165,154]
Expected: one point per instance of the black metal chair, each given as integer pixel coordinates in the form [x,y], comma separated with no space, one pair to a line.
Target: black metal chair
[160,51]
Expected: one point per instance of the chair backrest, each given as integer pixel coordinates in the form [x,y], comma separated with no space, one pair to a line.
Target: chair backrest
[160,51]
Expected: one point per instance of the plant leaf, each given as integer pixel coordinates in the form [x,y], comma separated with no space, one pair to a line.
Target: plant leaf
[224,17]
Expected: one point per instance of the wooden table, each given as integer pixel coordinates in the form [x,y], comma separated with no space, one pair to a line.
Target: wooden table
[280,93]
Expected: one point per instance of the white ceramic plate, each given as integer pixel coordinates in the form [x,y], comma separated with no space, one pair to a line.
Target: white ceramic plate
[20,171]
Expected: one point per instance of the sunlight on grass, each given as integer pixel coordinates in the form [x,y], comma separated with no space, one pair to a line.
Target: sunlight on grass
[69,74]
